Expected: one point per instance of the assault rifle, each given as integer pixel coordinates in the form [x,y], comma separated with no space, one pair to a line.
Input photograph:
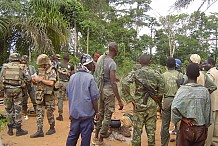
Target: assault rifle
[149,92]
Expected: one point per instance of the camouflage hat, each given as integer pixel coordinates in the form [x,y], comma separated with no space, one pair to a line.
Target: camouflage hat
[195,58]
[24,57]
[58,56]
[86,59]
[14,57]
[42,59]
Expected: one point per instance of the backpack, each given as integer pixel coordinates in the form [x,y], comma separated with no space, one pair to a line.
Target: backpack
[12,74]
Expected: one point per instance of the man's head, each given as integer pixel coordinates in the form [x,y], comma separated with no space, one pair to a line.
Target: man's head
[171,63]
[87,61]
[24,59]
[66,57]
[43,61]
[195,58]
[209,63]
[144,60]
[192,71]
[14,57]
[113,48]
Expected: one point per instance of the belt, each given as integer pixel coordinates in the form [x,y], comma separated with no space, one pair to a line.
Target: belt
[165,96]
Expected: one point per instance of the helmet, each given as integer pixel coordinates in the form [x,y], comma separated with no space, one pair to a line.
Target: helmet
[14,57]
[86,59]
[195,58]
[178,62]
[42,59]
[24,57]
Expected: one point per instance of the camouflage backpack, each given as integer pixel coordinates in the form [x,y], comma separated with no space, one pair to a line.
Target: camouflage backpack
[12,74]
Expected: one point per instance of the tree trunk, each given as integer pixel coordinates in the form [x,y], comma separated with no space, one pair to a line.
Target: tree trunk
[75,39]
[87,45]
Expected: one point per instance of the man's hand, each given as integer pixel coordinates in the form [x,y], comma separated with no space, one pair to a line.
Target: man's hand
[37,79]
[96,117]
[121,105]
[189,122]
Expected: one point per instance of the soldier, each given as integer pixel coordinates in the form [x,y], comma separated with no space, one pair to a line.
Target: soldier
[45,82]
[170,77]
[14,79]
[106,79]
[147,81]
[63,70]
[30,88]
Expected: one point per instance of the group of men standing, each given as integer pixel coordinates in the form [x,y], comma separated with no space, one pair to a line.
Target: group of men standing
[21,81]
[93,97]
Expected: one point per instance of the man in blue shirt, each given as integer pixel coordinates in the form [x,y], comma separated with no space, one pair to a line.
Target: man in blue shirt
[83,94]
[192,108]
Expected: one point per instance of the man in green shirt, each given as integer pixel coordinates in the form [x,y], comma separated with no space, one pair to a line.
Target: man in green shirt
[170,77]
[64,71]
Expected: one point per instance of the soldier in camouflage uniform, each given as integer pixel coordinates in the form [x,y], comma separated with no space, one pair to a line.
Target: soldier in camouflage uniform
[45,82]
[14,79]
[63,70]
[30,90]
[145,110]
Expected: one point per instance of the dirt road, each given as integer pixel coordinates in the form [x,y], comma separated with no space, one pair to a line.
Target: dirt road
[62,129]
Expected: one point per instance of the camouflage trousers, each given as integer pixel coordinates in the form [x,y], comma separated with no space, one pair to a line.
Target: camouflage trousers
[29,91]
[48,104]
[13,105]
[61,96]
[106,109]
[145,118]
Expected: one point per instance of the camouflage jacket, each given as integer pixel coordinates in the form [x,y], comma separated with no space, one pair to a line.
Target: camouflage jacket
[145,75]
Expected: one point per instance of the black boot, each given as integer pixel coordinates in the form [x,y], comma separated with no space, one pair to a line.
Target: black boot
[20,131]
[10,129]
[51,130]
[39,133]
[59,118]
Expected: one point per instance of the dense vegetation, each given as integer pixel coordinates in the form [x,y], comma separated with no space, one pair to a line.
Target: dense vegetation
[86,26]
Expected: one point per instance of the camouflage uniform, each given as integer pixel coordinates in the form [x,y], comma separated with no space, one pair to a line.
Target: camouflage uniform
[45,96]
[30,90]
[63,78]
[48,100]
[14,79]
[143,114]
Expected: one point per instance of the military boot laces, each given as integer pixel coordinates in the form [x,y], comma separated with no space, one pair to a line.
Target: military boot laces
[59,118]
[39,133]
[21,132]
[51,131]
[10,130]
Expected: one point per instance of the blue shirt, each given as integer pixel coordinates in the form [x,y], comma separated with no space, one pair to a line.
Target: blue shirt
[192,101]
[81,91]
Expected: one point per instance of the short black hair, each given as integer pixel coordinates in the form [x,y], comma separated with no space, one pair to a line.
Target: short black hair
[193,71]
[171,62]
[211,61]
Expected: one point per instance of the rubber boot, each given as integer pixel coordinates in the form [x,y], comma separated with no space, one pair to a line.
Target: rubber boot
[59,118]
[51,130]
[10,129]
[39,133]
[20,131]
